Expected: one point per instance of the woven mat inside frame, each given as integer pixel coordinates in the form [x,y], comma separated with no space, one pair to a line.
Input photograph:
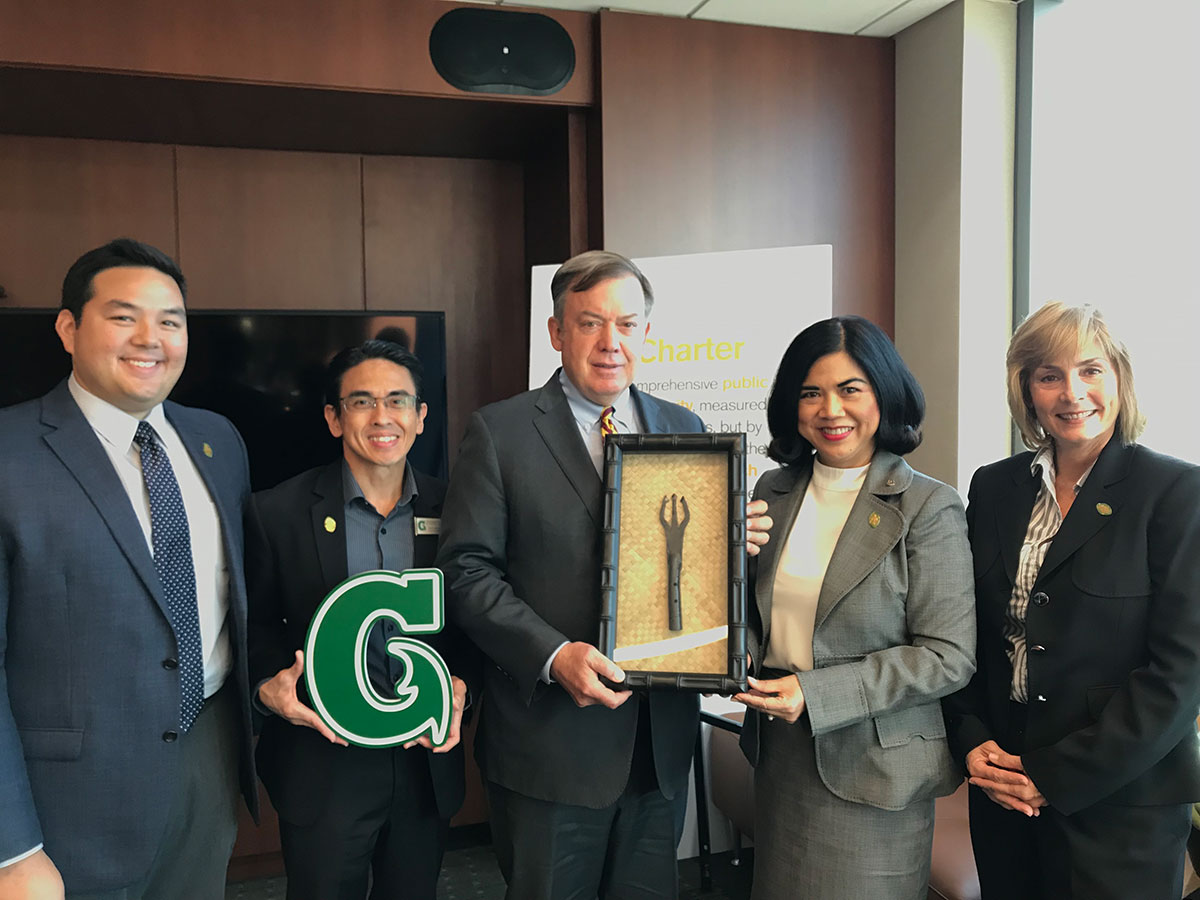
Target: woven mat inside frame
[642,574]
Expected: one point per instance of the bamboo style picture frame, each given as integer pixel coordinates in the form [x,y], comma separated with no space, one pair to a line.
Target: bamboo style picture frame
[673,576]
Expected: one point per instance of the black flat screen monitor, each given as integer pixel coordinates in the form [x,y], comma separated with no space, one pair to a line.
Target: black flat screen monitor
[265,371]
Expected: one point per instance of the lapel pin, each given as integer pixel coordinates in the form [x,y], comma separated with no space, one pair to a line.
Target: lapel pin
[207,448]
[891,482]
[873,520]
[330,524]
[1104,509]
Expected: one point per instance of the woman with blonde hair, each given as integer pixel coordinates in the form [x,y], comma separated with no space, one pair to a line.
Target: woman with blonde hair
[1078,729]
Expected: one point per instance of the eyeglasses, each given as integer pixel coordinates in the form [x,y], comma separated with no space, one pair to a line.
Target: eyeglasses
[364,402]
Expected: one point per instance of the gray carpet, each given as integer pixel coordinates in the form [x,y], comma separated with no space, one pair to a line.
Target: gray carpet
[470,873]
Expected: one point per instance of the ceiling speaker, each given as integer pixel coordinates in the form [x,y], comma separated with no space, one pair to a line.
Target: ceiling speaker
[502,52]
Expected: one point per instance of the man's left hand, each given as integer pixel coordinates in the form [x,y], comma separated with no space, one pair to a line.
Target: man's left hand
[456,714]
[758,526]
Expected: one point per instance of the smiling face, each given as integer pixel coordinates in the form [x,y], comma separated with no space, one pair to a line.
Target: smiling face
[130,343]
[600,337]
[1075,399]
[379,437]
[838,412]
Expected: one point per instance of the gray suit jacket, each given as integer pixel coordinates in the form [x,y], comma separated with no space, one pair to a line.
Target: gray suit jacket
[520,547]
[895,631]
[85,697]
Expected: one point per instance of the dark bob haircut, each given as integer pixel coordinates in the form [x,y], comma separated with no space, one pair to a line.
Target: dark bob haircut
[347,359]
[77,286]
[901,400]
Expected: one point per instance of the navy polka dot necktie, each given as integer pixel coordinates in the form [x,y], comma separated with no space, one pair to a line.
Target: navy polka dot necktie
[173,560]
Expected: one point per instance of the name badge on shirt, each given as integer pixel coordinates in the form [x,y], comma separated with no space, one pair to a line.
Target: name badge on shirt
[423,525]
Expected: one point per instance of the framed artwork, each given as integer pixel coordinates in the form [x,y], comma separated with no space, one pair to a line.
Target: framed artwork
[673,577]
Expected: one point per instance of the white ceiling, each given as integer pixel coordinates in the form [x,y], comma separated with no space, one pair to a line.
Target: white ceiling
[871,18]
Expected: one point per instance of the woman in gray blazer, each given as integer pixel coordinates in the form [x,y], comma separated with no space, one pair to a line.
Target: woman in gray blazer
[864,619]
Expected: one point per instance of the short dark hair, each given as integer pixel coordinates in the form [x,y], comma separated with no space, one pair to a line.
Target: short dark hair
[900,398]
[347,359]
[586,270]
[77,286]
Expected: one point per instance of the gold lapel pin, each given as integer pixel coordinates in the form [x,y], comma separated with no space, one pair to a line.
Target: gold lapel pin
[207,448]
[873,520]
[330,524]
[1104,509]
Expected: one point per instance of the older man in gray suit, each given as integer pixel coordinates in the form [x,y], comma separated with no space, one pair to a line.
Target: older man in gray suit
[583,780]
[124,707]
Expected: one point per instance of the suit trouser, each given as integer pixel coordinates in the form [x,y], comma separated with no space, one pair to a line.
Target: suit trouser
[1104,852]
[559,851]
[381,822]
[202,822]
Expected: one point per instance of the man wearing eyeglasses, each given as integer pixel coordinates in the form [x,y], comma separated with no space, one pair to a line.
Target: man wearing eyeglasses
[347,813]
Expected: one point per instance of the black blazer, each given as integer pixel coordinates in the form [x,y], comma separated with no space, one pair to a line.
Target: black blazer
[521,552]
[1113,631]
[292,563]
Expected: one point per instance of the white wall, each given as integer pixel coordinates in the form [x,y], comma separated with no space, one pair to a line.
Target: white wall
[1115,187]
[955,117]
[929,77]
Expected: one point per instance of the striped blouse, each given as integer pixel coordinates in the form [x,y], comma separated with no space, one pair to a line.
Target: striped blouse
[1044,523]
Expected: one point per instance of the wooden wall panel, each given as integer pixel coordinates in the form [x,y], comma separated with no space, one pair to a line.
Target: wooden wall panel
[60,198]
[577,182]
[121,107]
[731,137]
[449,234]
[369,45]
[265,229]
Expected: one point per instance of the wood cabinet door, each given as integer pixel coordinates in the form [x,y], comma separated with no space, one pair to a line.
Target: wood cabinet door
[60,198]
[270,229]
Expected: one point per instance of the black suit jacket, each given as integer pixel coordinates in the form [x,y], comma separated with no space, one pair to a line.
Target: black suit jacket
[292,562]
[1114,689]
[521,552]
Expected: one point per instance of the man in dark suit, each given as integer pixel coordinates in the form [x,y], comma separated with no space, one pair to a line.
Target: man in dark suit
[124,708]
[583,780]
[347,813]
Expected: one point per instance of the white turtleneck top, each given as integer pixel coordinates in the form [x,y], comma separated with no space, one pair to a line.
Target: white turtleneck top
[803,561]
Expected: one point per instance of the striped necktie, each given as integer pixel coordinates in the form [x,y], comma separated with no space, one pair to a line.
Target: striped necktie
[608,425]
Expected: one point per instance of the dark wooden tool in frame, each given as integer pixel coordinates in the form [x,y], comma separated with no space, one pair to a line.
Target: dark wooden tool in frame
[715,533]
[674,532]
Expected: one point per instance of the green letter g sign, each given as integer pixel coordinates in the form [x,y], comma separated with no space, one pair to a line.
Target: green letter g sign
[335,654]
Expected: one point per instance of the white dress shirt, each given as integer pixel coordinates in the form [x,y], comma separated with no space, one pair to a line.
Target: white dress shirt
[115,428]
[587,417]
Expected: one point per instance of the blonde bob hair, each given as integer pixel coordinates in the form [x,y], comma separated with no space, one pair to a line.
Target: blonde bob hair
[1054,331]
